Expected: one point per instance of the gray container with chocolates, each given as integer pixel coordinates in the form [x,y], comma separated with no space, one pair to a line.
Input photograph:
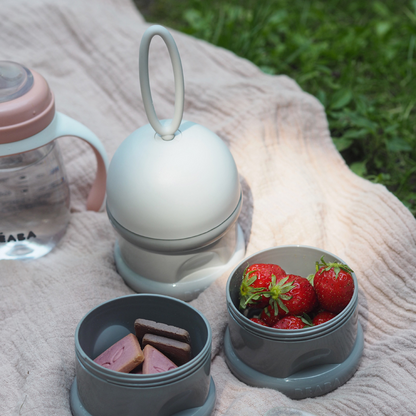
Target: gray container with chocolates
[143,354]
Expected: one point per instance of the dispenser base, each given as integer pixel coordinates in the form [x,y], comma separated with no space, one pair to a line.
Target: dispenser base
[206,409]
[310,382]
[187,288]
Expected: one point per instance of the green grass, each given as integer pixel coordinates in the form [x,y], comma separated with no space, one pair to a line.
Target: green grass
[358,58]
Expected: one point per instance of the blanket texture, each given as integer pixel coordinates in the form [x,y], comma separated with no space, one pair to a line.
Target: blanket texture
[297,190]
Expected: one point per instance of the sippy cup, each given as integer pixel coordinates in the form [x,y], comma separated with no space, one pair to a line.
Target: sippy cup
[174,197]
[34,192]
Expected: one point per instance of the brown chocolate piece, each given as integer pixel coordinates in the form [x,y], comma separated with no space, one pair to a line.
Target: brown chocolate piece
[144,326]
[179,352]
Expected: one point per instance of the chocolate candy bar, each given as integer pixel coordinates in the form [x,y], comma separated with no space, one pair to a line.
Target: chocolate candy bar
[155,361]
[144,326]
[123,356]
[179,352]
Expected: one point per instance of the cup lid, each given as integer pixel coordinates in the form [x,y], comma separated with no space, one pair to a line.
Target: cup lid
[27,105]
[15,81]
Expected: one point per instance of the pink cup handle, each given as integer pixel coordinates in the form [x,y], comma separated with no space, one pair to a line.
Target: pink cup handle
[67,126]
[96,197]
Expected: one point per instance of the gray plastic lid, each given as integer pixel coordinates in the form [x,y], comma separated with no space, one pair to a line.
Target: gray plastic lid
[171,179]
[15,81]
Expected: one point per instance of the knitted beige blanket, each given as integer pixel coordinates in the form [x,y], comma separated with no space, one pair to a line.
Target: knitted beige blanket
[297,190]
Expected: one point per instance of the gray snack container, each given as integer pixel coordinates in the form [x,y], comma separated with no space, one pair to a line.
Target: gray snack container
[300,363]
[98,391]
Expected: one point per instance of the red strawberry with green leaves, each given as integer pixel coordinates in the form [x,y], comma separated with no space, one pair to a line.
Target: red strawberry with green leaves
[322,317]
[292,322]
[258,321]
[257,279]
[334,285]
[268,316]
[291,295]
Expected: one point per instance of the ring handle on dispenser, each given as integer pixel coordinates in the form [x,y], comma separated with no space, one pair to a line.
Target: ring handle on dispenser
[167,132]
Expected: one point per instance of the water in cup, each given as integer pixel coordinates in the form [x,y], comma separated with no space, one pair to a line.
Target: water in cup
[34,202]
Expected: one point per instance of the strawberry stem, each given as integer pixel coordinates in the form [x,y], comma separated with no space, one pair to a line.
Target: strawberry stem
[336,266]
[277,293]
[306,319]
[248,293]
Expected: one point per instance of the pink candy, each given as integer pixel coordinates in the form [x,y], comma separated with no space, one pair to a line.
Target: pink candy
[155,361]
[126,355]
[123,356]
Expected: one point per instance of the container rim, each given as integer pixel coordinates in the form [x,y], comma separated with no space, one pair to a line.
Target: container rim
[180,244]
[293,335]
[143,380]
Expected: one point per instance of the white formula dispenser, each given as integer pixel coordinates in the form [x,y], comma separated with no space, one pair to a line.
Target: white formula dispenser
[174,197]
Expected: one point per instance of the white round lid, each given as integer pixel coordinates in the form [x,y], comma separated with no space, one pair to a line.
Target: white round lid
[172,189]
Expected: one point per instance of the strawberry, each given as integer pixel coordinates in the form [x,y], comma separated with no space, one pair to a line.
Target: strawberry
[322,317]
[334,285]
[268,316]
[289,322]
[292,295]
[257,278]
[258,321]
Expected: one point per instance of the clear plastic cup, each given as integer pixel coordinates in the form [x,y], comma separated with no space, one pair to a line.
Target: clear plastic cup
[34,193]
[34,202]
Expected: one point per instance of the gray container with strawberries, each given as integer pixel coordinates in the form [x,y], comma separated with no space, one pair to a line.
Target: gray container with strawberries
[300,363]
